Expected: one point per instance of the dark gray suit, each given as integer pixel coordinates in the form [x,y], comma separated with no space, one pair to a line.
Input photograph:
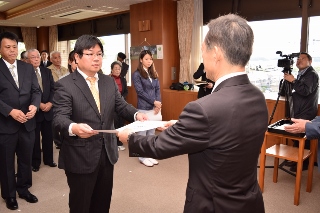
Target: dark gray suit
[222,133]
[74,103]
[16,137]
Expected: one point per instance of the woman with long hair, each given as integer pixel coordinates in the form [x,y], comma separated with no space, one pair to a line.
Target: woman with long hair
[146,82]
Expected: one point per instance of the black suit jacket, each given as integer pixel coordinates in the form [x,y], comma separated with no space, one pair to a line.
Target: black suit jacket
[124,69]
[222,133]
[12,97]
[48,64]
[46,94]
[74,103]
[306,94]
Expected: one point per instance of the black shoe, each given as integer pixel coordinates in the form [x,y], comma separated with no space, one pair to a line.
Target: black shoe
[294,168]
[290,163]
[11,203]
[53,164]
[35,168]
[29,198]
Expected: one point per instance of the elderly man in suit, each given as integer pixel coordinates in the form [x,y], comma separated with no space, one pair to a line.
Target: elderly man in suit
[44,115]
[222,132]
[85,101]
[19,100]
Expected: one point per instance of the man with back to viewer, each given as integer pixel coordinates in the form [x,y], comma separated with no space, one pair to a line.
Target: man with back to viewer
[221,132]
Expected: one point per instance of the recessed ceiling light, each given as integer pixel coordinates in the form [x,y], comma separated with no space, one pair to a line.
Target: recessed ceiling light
[110,7]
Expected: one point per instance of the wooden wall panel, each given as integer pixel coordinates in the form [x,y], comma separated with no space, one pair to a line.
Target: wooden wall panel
[163,30]
[43,38]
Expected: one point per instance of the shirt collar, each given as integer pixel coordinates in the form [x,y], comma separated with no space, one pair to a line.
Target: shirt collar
[8,64]
[85,76]
[225,77]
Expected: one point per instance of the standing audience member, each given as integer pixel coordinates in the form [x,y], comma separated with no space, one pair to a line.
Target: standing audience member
[72,66]
[221,132]
[23,56]
[123,89]
[305,93]
[124,67]
[204,89]
[56,68]
[44,59]
[44,115]
[19,100]
[57,72]
[85,101]
[146,83]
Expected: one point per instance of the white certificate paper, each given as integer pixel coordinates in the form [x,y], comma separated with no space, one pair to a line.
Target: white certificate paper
[137,126]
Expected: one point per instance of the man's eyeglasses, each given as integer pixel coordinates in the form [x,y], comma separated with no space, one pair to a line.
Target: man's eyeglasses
[91,55]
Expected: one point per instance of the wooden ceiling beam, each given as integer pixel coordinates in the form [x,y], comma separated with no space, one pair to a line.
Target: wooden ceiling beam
[28,7]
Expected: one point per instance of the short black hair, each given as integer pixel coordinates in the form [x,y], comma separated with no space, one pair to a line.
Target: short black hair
[122,55]
[8,35]
[44,51]
[309,56]
[85,42]
[23,55]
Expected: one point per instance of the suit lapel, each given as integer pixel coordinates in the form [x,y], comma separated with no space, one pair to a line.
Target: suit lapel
[45,81]
[81,83]
[102,94]
[6,72]
[21,72]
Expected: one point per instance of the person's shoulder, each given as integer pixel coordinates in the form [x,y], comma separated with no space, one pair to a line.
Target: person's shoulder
[51,67]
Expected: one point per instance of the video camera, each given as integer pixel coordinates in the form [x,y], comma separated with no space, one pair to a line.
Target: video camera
[287,62]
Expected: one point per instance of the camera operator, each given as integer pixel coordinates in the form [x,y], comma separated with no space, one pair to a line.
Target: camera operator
[304,95]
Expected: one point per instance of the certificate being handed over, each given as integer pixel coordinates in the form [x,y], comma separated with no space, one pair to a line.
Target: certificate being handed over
[137,126]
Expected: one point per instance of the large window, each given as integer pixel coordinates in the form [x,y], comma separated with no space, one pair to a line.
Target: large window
[271,36]
[314,42]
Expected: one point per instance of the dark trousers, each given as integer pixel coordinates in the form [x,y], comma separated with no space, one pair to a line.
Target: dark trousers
[91,193]
[45,128]
[20,144]
[118,123]
[56,137]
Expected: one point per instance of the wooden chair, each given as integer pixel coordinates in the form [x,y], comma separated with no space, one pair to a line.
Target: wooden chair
[296,154]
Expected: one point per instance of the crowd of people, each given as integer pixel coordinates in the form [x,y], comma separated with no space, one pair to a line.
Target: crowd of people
[42,102]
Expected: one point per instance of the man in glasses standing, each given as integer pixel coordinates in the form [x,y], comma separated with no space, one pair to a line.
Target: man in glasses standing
[85,101]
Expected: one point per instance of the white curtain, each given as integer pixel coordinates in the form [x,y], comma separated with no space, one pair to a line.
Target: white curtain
[197,37]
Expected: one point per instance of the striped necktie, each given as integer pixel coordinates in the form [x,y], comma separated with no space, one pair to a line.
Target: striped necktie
[39,78]
[94,91]
[11,68]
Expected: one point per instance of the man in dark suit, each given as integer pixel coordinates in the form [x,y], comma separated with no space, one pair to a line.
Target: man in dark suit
[222,132]
[44,115]
[19,100]
[305,94]
[124,67]
[44,59]
[85,101]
